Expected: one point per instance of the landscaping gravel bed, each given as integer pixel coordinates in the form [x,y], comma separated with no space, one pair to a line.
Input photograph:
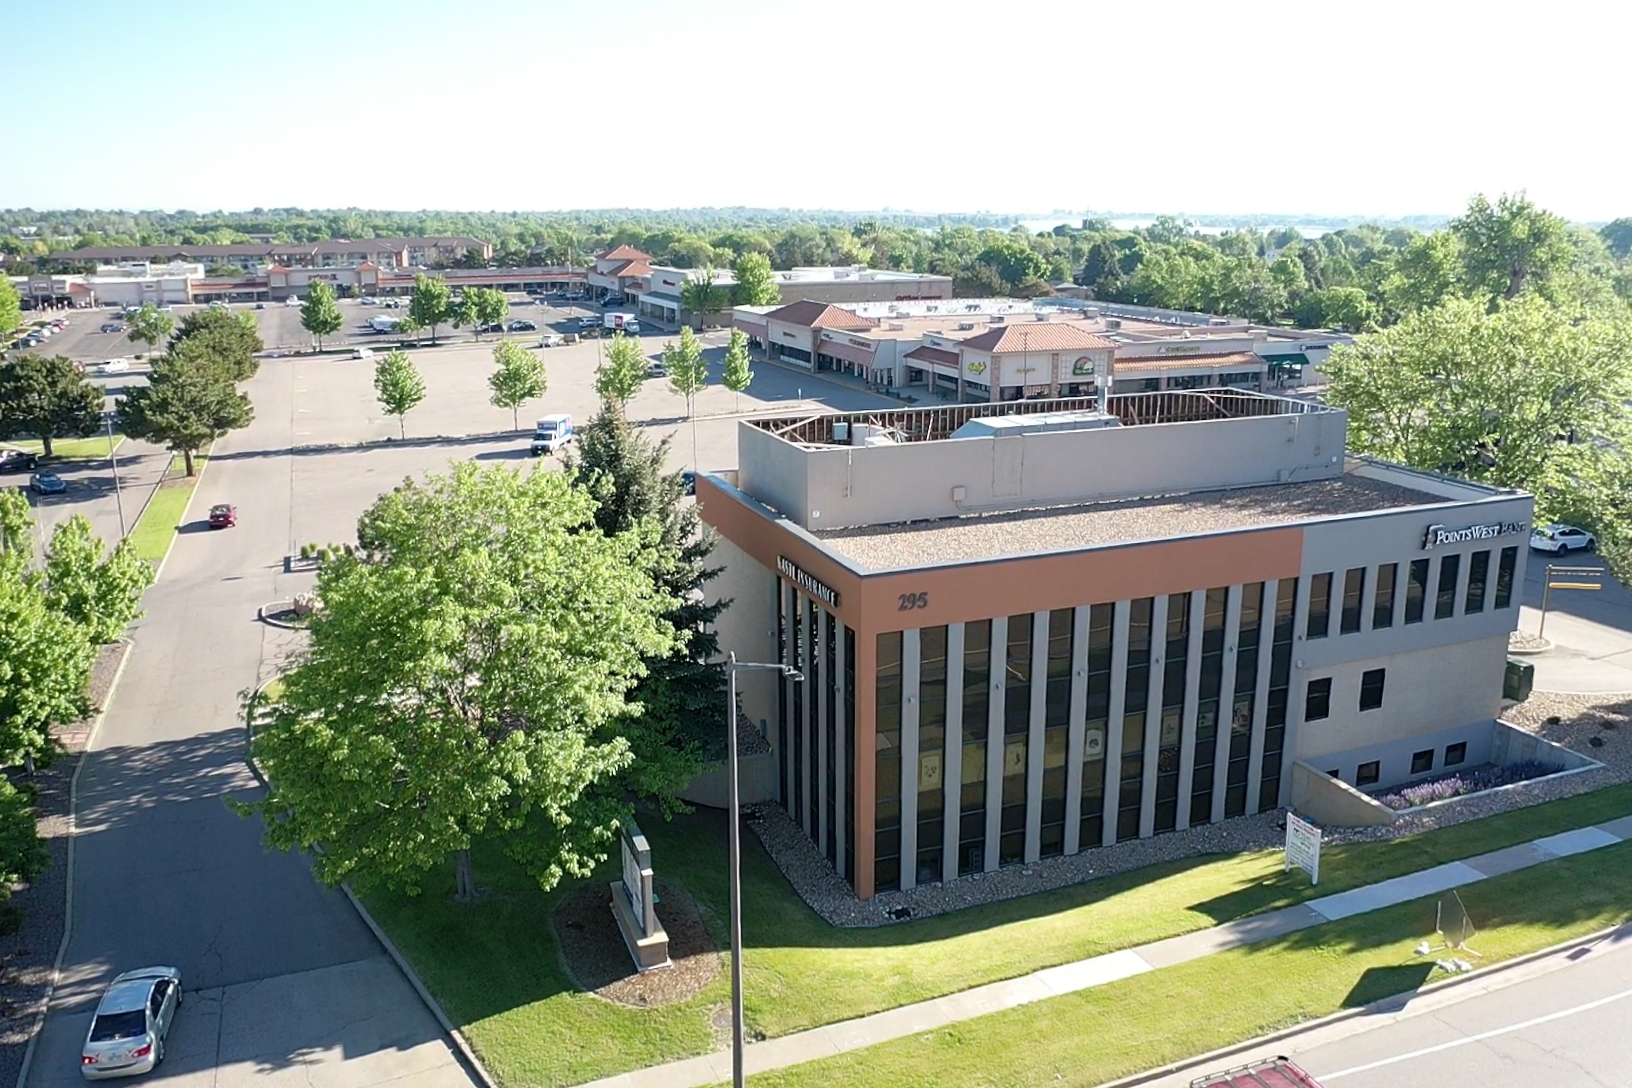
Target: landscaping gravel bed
[1581,718]
[28,955]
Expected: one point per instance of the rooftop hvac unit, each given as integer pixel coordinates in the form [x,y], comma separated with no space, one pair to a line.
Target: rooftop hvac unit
[896,326]
[1113,322]
[995,319]
[1041,317]
[841,432]
[965,326]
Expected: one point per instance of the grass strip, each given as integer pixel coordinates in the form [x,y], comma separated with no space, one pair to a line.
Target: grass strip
[495,967]
[71,449]
[1229,997]
[160,519]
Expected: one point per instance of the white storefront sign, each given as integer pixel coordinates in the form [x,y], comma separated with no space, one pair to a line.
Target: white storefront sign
[1303,846]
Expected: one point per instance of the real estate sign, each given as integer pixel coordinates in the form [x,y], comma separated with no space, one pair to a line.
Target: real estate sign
[1303,846]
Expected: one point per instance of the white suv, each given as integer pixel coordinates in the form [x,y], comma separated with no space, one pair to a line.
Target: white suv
[1559,539]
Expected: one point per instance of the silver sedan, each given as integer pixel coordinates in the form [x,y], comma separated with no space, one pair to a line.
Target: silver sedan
[131,1022]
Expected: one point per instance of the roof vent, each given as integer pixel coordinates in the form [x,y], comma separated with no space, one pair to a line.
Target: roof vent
[896,326]
[965,326]
[995,319]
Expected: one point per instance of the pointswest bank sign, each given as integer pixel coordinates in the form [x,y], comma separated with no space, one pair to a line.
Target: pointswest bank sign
[1438,535]
[818,589]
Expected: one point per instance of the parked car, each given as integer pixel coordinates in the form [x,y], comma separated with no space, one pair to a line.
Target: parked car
[131,1024]
[587,322]
[17,461]
[223,516]
[362,353]
[522,326]
[113,366]
[1559,539]
[491,326]
[112,326]
[260,305]
[656,370]
[552,340]
[47,483]
[368,300]
[292,300]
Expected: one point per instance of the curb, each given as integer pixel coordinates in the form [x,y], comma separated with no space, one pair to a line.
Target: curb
[261,615]
[68,888]
[1382,1005]
[462,1048]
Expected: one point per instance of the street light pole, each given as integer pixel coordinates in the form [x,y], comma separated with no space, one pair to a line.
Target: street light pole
[734,837]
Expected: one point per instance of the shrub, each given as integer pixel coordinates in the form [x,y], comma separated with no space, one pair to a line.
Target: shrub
[1465,782]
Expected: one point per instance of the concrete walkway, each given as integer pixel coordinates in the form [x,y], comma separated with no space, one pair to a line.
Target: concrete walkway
[1068,978]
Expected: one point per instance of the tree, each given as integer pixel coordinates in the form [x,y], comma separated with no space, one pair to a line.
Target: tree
[319,315]
[702,296]
[687,367]
[45,661]
[398,386]
[737,376]
[1425,273]
[407,325]
[23,855]
[190,400]
[1617,235]
[101,595]
[1013,261]
[1510,245]
[47,399]
[465,313]
[518,379]
[756,283]
[11,306]
[492,306]
[148,326]
[1523,397]
[683,691]
[431,304]
[493,712]
[231,339]
[622,371]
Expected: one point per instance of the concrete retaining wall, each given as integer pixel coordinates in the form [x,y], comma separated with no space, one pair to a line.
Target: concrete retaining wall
[1510,744]
[711,787]
[1332,802]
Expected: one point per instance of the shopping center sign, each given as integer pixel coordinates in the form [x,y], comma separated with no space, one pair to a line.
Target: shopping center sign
[1437,535]
[810,584]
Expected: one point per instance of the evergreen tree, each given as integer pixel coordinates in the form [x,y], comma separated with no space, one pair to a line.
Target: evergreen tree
[683,691]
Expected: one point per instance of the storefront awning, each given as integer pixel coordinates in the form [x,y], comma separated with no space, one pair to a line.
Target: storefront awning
[752,328]
[848,352]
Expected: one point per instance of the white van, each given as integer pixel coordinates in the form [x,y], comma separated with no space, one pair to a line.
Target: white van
[552,432]
[362,353]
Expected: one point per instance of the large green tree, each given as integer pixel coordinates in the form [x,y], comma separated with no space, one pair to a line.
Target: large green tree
[737,376]
[191,399]
[149,325]
[47,399]
[1509,245]
[702,296]
[683,691]
[622,370]
[492,306]
[687,367]
[431,304]
[1520,397]
[230,339]
[320,314]
[398,386]
[519,378]
[100,594]
[11,307]
[493,712]
[756,283]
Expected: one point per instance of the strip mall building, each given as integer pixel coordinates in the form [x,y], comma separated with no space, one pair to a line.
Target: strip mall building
[1032,629]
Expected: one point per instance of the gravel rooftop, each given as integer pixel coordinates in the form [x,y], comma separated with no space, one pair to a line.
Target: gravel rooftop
[1061,528]
[1598,726]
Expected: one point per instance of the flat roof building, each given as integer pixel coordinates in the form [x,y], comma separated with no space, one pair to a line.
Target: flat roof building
[1032,629]
[659,296]
[332,253]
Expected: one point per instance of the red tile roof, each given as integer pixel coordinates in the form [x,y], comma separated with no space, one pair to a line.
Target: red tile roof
[633,267]
[820,315]
[624,253]
[1037,336]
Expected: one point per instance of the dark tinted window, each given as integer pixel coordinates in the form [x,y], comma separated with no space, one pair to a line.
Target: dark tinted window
[1354,589]
[1320,605]
[1382,607]
[1422,762]
[1317,700]
[1478,574]
[1504,577]
[1416,589]
[1445,599]
[1371,689]
[1456,753]
[1367,774]
[118,1025]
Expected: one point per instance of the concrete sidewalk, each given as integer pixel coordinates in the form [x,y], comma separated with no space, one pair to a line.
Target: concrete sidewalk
[1067,978]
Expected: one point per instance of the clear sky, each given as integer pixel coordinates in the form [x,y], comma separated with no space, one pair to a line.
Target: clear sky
[1370,107]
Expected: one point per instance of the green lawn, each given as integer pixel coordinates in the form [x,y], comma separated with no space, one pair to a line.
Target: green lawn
[157,526]
[1150,1020]
[494,966]
[72,448]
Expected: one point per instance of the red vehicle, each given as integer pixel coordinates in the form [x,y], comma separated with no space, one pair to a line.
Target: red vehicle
[223,516]
[1278,1072]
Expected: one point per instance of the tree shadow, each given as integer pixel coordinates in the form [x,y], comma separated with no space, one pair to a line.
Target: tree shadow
[1376,983]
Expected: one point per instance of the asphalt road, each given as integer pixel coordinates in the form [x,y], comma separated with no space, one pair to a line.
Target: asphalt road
[283,981]
[1559,1022]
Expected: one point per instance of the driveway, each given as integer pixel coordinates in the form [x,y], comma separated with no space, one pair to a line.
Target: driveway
[282,979]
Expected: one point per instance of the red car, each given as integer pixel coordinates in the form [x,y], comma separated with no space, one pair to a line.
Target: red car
[223,516]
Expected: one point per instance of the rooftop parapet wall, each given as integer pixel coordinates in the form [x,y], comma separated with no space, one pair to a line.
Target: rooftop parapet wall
[826,486]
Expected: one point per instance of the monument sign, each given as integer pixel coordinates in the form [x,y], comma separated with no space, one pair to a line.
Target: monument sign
[635,906]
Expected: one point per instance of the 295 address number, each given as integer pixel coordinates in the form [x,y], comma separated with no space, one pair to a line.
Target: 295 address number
[911,602]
